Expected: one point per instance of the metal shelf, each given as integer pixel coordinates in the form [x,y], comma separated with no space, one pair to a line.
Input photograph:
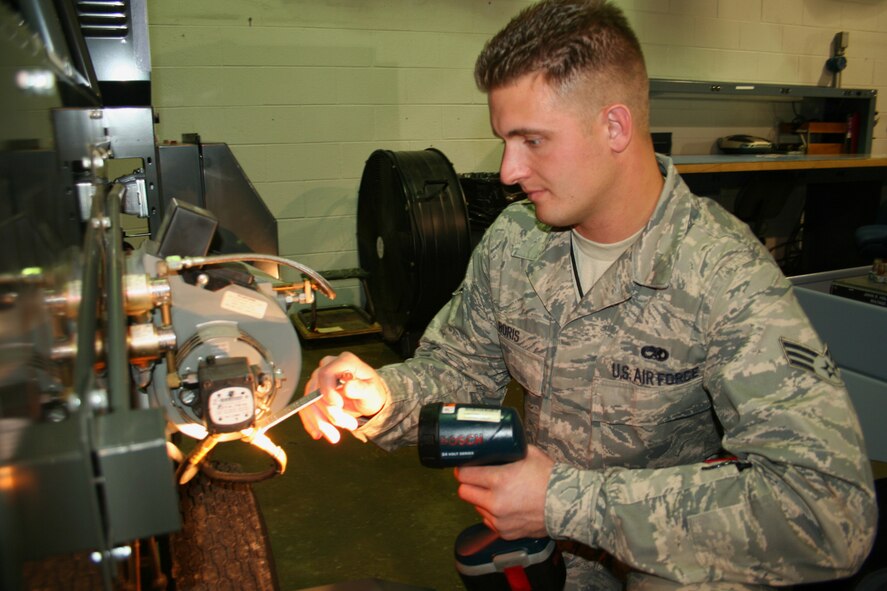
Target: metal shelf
[660,87]
[822,103]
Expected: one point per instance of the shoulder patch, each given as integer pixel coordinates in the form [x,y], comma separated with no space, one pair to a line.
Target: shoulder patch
[819,363]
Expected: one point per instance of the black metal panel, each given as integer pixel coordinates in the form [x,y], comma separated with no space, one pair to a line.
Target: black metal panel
[54,25]
[116,33]
[36,218]
[54,500]
[180,166]
[208,175]
[131,134]
[132,458]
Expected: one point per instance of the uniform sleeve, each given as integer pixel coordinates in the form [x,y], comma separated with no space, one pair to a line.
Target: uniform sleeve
[458,359]
[797,504]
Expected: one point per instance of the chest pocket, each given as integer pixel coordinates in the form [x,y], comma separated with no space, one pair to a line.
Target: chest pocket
[653,427]
[524,327]
[525,366]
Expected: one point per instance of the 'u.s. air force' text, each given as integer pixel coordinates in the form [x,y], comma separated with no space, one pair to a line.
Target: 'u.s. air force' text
[648,377]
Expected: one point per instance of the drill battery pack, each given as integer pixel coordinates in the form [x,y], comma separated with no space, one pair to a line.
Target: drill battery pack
[486,562]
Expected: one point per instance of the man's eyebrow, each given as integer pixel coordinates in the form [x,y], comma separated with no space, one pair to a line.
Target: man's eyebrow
[523,131]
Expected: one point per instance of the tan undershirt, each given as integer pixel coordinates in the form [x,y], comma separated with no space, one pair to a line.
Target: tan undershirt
[592,259]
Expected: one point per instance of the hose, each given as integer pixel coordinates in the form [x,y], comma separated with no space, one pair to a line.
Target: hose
[176,263]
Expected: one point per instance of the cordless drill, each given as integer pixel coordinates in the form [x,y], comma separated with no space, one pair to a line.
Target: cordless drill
[452,435]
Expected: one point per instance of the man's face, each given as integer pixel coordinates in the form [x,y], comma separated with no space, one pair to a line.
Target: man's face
[557,152]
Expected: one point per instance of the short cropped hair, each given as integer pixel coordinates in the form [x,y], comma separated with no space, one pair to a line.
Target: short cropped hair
[571,43]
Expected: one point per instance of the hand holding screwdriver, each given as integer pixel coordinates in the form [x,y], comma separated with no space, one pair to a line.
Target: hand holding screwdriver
[350,389]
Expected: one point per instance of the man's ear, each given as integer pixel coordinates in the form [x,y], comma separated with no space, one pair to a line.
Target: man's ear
[619,127]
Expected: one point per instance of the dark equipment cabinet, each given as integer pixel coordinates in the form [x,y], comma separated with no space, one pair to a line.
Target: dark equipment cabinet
[838,195]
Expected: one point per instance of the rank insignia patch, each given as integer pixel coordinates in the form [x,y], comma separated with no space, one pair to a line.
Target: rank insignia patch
[819,363]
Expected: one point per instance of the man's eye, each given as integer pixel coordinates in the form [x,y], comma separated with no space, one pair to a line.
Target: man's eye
[533,141]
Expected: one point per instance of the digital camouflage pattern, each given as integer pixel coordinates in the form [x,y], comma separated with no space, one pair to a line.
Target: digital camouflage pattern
[692,345]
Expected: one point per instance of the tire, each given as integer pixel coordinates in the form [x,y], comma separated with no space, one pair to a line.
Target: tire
[223,544]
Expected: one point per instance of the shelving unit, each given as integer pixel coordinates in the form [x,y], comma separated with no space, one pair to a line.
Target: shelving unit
[816,105]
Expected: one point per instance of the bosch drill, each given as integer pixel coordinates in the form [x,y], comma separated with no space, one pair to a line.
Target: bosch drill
[452,435]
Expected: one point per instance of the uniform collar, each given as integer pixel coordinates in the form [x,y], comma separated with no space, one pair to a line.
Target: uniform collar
[653,255]
[648,262]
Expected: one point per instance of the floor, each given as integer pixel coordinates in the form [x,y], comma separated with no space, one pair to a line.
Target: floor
[352,515]
[352,512]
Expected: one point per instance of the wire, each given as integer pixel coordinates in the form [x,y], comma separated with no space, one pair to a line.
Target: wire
[217,473]
[175,263]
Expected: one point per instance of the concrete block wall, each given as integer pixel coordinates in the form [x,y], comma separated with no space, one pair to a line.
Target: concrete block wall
[305,90]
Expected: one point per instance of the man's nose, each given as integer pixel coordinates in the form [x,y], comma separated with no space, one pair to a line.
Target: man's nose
[512,170]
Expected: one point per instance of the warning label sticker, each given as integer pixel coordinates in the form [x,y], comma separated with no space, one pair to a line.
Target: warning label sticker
[242,304]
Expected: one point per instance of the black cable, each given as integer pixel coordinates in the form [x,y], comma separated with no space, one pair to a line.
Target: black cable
[219,474]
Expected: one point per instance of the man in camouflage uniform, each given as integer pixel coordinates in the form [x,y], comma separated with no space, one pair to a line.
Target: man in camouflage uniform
[688,428]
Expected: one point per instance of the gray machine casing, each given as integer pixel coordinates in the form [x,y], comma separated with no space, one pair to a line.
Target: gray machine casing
[233,321]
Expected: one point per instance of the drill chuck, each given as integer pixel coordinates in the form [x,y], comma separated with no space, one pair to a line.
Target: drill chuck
[469,435]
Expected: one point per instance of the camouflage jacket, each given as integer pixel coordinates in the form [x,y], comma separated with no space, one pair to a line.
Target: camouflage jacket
[691,345]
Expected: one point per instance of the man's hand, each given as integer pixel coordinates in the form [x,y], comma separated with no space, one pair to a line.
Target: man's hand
[511,497]
[350,389]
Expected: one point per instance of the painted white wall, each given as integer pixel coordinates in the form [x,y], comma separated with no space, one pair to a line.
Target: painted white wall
[304,90]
